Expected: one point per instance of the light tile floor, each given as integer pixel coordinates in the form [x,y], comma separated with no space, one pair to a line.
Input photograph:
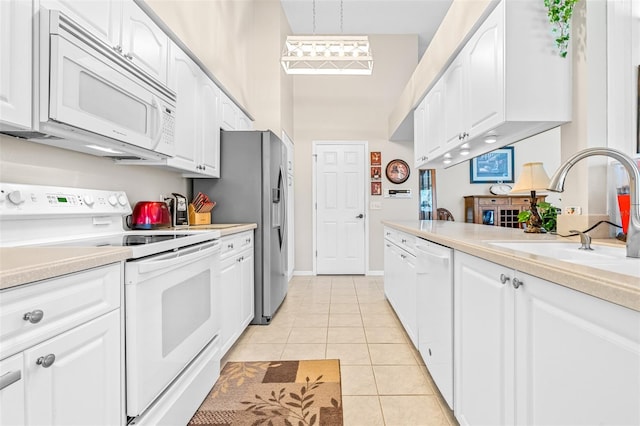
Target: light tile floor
[384,381]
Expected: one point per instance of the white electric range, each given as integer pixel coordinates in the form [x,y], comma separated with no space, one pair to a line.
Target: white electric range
[170,290]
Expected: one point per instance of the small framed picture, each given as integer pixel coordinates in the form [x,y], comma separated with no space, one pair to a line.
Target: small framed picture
[493,167]
[397,171]
[376,188]
[376,173]
[376,158]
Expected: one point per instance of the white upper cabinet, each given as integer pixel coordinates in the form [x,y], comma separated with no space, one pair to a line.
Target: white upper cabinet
[508,81]
[229,114]
[102,17]
[419,140]
[125,27]
[143,42]
[15,64]
[197,134]
[427,124]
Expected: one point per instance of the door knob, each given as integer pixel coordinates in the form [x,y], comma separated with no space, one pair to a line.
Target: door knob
[360,216]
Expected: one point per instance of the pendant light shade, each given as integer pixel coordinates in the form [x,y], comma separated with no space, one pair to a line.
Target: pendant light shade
[327,55]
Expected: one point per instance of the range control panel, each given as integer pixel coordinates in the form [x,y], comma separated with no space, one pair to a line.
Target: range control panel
[37,200]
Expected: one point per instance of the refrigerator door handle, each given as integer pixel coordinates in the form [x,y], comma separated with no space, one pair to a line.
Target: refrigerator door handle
[285,219]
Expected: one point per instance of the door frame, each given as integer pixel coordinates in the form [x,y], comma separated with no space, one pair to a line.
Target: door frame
[314,199]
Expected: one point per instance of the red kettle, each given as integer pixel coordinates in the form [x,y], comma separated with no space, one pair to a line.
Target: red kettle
[149,215]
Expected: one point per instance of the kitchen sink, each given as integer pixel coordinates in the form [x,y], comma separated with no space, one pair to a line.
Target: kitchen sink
[607,258]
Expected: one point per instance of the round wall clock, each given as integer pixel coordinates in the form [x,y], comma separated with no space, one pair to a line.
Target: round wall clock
[397,171]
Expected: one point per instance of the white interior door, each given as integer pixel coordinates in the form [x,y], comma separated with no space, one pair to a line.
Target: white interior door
[340,208]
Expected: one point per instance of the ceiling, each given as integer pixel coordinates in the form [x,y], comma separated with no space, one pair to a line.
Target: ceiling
[367,17]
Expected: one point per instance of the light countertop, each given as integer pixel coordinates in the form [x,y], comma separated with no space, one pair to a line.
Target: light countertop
[22,265]
[474,239]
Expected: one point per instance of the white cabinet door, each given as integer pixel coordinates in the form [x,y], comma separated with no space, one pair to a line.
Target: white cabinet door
[83,383]
[455,103]
[229,113]
[485,74]
[391,273]
[247,309]
[102,17]
[210,154]
[419,140]
[12,407]
[433,126]
[230,300]
[186,78]
[15,64]
[577,357]
[144,42]
[483,342]
[244,123]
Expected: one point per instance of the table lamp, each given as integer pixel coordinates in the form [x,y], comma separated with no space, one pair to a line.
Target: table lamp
[532,178]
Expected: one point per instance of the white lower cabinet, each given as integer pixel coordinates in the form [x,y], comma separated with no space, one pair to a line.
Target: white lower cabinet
[237,290]
[540,353]
[83,383]
[400,279]
[63,347]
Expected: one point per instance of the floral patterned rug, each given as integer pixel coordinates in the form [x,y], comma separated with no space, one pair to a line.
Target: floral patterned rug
[288,393]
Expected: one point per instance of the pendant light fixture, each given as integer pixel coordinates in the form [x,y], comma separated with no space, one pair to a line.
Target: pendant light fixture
[327,54]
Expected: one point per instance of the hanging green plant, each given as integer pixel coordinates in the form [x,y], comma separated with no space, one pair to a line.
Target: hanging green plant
[559,13]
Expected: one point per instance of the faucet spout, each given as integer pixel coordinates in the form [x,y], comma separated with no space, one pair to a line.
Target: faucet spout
[633,233]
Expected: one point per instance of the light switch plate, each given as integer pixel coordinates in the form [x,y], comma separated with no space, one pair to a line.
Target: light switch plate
[375,205]
[572,210]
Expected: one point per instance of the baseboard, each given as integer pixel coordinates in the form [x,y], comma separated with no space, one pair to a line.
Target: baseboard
[303,273]
[376,273]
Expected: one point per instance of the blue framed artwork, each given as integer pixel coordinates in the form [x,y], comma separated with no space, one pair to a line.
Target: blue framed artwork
[493,167]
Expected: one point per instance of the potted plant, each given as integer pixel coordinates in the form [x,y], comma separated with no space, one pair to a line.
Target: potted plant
[548,214]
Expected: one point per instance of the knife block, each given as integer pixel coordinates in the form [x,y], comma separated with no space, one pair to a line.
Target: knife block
[196,218]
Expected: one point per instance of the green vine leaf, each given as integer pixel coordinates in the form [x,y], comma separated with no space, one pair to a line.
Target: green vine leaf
[559,13]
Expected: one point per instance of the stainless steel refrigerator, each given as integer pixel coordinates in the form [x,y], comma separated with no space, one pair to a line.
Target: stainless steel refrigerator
[252,188]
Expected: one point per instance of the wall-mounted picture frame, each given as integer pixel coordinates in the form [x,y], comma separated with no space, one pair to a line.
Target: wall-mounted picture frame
[493,167]
[397,171]
[376,188]
[376,173]
[375,158]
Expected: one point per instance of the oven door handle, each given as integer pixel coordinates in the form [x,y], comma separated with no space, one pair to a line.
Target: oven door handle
[180,257]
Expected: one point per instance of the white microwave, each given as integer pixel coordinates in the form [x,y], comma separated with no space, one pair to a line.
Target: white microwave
[92,99]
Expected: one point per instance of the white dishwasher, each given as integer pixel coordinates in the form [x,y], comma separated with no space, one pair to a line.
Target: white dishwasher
[435,313]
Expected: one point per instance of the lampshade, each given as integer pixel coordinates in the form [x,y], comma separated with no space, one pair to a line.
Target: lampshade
[316,54]
[532,178]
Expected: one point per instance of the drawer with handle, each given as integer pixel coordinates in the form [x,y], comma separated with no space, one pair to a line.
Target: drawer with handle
[32,312]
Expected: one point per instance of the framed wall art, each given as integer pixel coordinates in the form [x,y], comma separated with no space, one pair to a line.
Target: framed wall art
[397,171]
[493,167]
[375,158]
[376,188]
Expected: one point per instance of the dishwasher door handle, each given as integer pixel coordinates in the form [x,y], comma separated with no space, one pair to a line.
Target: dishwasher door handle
[424,250]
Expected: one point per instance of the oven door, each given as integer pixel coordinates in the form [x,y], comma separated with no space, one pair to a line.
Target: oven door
[170,317]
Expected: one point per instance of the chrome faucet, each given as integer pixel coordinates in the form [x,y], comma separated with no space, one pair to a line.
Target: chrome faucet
[633,233]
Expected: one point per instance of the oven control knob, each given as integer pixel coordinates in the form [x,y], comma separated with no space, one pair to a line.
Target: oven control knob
[113,200]
[122,200]
[15,197]
[88,200]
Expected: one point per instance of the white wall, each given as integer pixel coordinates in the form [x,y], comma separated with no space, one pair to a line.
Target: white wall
[353,108]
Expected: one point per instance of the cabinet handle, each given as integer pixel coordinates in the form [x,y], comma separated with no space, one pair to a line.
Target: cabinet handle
[33,317]
[46,361]
[129,56]
[248,240]
[404,241]
[9,378]
[388,245]
[504,278]
[403,256]
[230,246]
[516,283]
[117,48]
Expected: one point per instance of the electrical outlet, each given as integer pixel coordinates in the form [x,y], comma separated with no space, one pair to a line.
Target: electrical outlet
[572,210]
[375,205]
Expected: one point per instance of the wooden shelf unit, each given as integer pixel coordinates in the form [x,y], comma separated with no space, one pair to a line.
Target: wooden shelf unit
[497,210]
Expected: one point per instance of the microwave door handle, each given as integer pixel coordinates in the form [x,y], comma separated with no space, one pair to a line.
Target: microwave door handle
[156,105]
